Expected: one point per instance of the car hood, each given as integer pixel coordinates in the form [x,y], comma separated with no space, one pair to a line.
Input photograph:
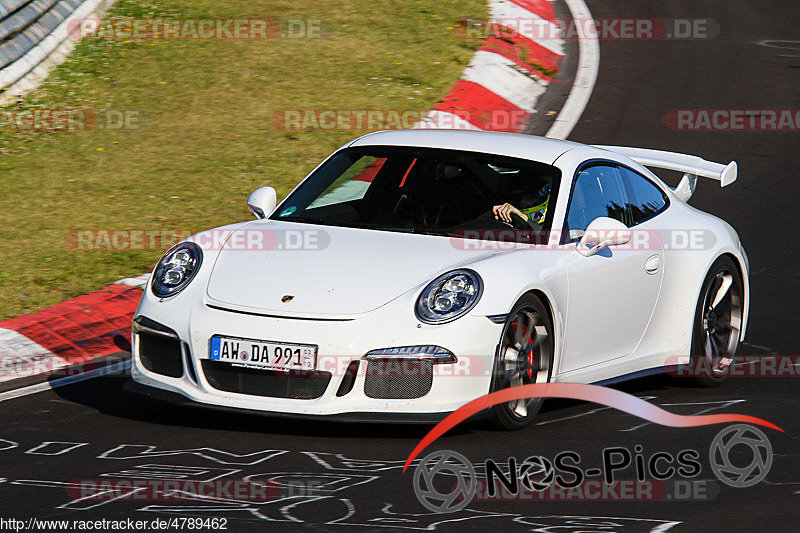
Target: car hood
[325,270]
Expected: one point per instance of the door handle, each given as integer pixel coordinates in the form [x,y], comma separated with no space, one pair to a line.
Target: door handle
[653,264]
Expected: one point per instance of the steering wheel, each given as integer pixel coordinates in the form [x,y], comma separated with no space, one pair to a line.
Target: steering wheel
[517,222]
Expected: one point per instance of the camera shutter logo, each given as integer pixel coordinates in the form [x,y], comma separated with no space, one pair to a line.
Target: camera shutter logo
[537,465]
[727,469]
[459,474]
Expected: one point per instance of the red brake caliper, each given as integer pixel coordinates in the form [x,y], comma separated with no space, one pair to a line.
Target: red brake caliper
[530,354]
[530,358]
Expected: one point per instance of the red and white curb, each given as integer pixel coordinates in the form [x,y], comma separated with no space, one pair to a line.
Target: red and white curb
[496,83]
[75,332]
[499,89]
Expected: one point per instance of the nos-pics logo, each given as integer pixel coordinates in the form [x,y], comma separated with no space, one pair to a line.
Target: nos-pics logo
[445,481]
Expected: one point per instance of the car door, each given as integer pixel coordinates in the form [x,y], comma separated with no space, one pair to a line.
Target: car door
[612,294]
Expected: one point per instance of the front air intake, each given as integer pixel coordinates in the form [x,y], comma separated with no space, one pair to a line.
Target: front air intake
[300,385]
[159,348]
[398,378]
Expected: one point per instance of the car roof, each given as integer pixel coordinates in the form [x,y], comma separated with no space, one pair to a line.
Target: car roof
[508,144]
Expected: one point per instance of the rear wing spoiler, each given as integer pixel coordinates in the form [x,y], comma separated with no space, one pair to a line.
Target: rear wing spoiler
[692,167]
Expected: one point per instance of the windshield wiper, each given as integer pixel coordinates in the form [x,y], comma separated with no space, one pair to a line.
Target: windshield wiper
[423,231]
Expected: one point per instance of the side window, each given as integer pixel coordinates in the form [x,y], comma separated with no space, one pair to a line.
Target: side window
[646,199]
[352,184]
[598,192]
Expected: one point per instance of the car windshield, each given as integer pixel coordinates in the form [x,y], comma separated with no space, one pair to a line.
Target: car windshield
[423,190]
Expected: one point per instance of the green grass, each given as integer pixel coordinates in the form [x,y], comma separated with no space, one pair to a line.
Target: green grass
[208,138]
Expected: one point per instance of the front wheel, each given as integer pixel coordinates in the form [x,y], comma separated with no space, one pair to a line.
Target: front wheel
[717,323]
[524,356]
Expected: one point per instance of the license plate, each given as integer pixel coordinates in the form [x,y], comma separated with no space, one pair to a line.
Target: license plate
[251,353]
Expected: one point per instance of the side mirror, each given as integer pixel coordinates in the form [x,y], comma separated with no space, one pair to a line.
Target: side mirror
[602,233]
[262,202]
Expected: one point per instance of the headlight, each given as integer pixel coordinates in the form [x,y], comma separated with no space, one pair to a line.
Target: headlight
[449,296]
[176,269]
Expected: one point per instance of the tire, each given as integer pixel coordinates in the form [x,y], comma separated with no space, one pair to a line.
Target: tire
[717,323]
[528,315]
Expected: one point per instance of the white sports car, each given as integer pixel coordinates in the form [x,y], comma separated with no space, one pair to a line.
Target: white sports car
[413,271]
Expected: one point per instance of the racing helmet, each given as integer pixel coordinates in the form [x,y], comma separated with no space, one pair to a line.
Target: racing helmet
[529,194]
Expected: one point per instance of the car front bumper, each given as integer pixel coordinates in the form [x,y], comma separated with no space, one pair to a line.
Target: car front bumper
[472,338]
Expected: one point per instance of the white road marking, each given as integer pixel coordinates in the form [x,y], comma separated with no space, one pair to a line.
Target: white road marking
[136,451]
[499,75]
[585,77]
[69,380]
[591,412]
[767,349]
[791,46]
[55,447]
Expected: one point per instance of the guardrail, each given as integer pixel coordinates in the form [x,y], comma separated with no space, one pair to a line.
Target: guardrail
[34,36]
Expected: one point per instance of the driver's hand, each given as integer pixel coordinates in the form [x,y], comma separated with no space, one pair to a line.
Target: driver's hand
[503,212]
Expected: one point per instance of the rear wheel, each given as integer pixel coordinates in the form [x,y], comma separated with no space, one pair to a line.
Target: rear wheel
[717,322]
[524,356]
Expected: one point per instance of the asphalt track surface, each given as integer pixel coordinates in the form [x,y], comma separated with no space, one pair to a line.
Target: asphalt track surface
[96,427]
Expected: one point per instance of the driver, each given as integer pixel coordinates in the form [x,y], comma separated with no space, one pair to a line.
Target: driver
[530,203]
